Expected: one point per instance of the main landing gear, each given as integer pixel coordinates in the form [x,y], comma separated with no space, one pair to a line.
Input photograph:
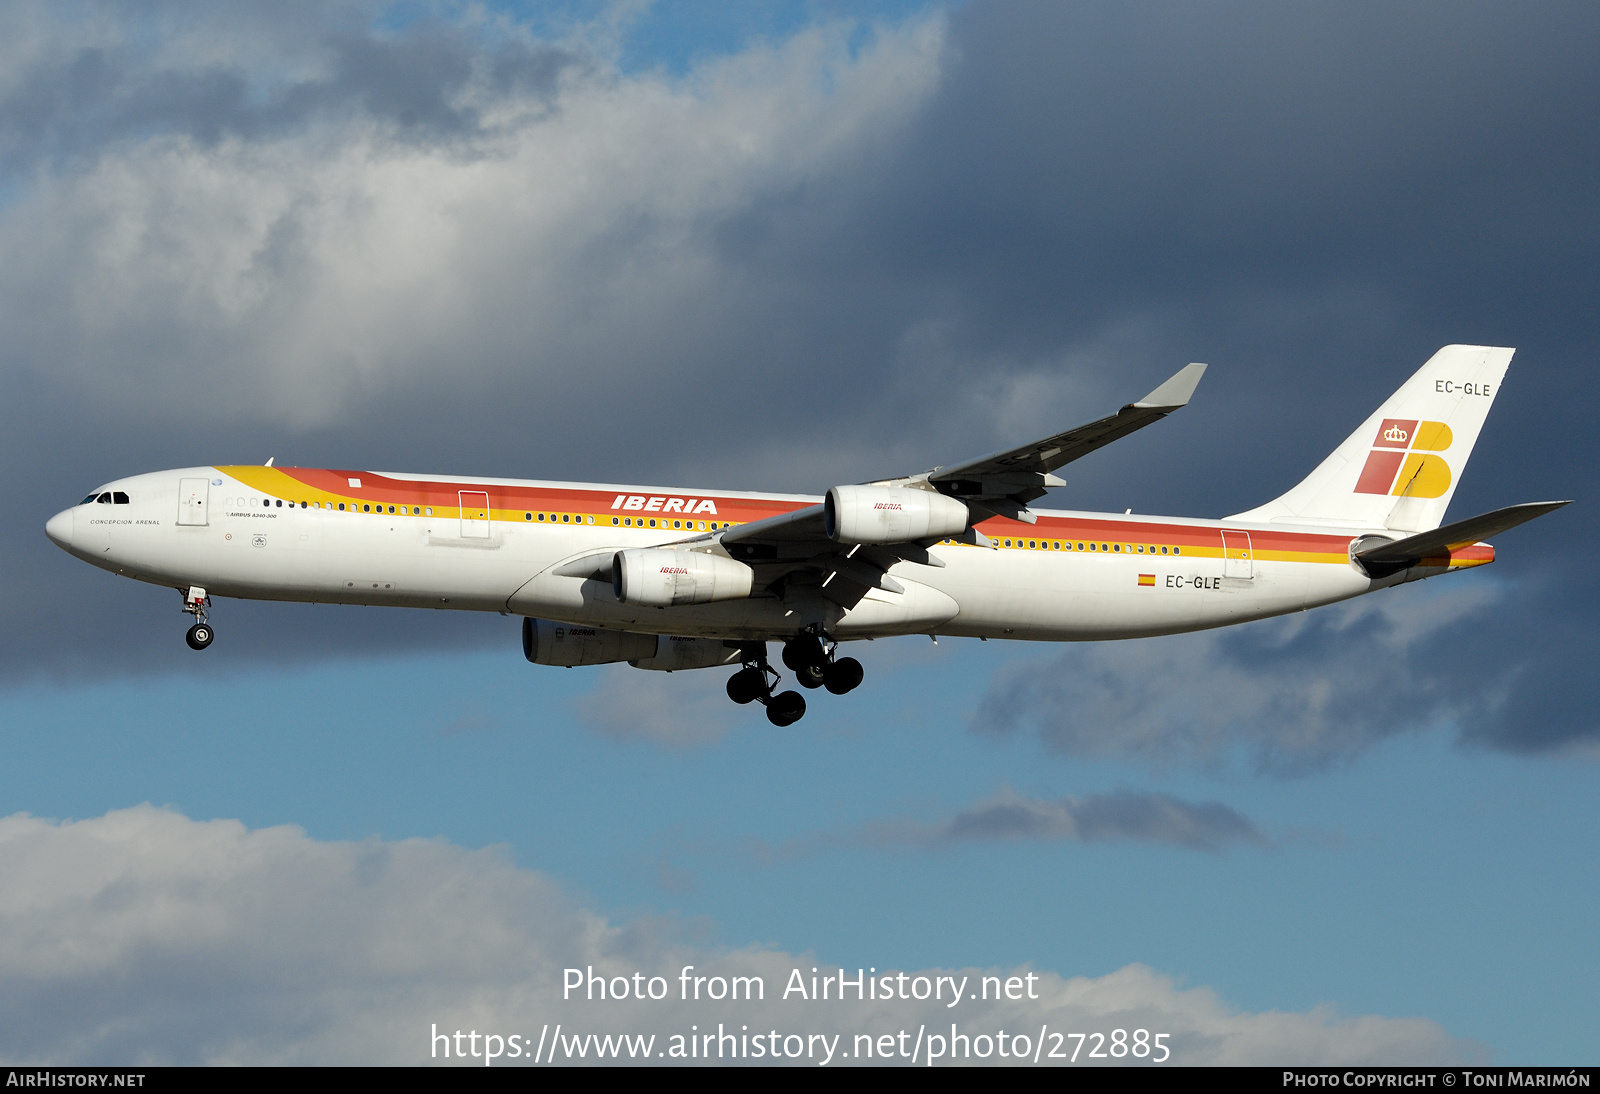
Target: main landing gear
[195,602]
[813,667]
[754,683]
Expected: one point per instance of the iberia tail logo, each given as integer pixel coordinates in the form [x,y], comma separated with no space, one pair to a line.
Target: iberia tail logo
[1401,460]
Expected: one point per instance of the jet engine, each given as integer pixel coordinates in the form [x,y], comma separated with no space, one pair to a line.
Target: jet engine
[566,644]
[891,514]
[663,577]
[676,653]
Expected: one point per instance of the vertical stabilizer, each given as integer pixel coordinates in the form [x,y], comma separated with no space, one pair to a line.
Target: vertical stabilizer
[1401,467]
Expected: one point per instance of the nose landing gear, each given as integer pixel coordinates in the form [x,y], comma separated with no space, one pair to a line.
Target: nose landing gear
[195,602]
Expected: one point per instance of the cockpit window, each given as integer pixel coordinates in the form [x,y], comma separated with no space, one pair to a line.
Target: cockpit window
[106,497]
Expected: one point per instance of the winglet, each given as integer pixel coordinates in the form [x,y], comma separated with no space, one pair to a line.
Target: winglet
[1177,390]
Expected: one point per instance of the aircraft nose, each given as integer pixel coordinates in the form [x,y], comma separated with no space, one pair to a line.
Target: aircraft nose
[59,528]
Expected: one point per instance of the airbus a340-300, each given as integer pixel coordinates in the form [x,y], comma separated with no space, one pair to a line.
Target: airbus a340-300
[685,579]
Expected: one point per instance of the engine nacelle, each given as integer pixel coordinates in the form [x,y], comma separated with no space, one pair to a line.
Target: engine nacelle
[663,577]
[567,644]
[676,652]
[891,514]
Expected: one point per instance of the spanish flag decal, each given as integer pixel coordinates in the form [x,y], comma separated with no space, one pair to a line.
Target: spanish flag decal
[1147,579]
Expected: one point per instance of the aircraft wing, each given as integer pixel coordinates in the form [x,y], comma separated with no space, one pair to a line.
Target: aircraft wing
[1004,482]
[1001,484]
[1393,554]
[795,546]
[797,527]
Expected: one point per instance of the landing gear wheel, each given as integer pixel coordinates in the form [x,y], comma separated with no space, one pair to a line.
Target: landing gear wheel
[803,651]
[786,709]
[813,675]
[843,675]
[199,636]
[747,685]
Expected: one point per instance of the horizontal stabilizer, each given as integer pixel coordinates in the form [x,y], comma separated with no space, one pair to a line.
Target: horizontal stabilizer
[1440,541]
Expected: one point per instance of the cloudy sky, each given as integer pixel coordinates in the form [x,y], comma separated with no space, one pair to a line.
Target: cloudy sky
[815,243]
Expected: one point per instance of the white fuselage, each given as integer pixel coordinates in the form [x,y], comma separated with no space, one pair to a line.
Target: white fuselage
[497,545]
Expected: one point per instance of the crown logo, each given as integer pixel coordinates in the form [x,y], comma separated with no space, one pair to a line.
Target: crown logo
[1394,433]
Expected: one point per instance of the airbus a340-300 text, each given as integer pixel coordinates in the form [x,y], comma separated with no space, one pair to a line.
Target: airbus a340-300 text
[684,579]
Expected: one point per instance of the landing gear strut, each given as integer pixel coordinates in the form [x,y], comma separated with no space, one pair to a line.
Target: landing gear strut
[195,602]
[754,683]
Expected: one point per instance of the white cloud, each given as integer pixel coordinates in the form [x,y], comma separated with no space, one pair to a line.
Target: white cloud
[677,709]
[144,937]
[563,232]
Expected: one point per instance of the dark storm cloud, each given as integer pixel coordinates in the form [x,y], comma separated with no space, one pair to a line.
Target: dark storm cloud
[76,100]
[953,247]
[1294,695]
[1254,141]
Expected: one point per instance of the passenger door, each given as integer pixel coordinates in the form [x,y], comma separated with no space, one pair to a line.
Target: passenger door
[192,497]
[1236,555]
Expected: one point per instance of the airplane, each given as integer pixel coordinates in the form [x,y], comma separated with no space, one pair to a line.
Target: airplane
[675,579]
